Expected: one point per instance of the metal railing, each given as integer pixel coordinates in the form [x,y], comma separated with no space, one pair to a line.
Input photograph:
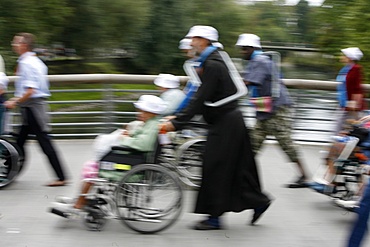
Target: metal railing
[83,116]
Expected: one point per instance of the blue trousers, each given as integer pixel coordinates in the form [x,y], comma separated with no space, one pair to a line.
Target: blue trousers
[360,226]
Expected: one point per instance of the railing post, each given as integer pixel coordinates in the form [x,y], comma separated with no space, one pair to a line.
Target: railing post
[108,106]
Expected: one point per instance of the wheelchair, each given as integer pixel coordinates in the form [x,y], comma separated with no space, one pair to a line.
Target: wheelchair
[143,190]
[11,161]
[345,183]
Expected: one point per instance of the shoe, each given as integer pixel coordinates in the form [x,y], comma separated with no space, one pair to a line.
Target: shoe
[326,189]
[206,225]
[318,187]
[299,183]
[258,212]
[347,205]
[57,183]
[66,211]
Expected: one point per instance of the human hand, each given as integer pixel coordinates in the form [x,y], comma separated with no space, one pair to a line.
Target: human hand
[10,104]
[167,126]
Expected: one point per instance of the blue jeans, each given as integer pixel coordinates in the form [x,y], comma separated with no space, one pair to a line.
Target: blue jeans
[360,226]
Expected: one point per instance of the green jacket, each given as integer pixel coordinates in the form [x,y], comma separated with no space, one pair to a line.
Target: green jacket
[144,138]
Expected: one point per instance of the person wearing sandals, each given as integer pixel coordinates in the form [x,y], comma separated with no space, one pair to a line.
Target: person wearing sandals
[230,181]
[31,92]
[275,119]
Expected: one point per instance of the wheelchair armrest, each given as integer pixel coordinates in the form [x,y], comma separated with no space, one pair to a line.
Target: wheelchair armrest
[125,148]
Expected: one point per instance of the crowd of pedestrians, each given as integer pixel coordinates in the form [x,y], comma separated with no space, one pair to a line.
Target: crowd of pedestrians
[230,178]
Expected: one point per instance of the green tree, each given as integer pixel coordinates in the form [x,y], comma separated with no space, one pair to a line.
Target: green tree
[42,18]
[303,19]
[158,41]
[345,23]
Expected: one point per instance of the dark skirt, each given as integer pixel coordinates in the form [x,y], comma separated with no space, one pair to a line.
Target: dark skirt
[230,178]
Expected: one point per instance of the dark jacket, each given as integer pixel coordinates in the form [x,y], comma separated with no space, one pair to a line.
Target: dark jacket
[230,179]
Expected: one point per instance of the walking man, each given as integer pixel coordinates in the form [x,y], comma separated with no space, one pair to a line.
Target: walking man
[273,114]
[31,92]
[230,181]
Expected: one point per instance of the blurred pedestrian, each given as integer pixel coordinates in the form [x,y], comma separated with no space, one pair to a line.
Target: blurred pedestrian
[273,113]
[171,94]
[350,93]
[230,181]
[186,48]
[190,88]
[31,93]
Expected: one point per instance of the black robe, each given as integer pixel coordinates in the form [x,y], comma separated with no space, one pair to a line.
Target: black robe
[230,179]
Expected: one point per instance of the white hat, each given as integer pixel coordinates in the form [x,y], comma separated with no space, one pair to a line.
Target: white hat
[151,103]
[167,81]
[248,39]
[185,44]
[206,32]
[353,53]
[218,45]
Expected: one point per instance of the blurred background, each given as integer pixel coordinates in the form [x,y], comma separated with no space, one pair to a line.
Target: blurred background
[141,36]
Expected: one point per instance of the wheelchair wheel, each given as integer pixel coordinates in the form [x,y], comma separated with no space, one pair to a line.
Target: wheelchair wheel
[149,199]
[190,159]
[9,163]
[95,219]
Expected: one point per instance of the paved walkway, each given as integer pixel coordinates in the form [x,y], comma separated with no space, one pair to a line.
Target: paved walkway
[297,218]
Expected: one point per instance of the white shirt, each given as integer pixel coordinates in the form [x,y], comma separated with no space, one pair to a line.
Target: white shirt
[32,73]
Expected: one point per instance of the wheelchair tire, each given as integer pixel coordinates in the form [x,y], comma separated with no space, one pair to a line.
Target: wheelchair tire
[149,199]
[190,160]
[10,162]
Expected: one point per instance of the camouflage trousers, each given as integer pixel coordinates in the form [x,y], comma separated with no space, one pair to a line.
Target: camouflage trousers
[279,125]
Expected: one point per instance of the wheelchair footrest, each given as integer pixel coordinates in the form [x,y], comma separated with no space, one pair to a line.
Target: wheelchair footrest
[60,212]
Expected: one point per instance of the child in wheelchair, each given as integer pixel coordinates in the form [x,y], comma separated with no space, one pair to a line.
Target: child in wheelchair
[346,162]
[132,150]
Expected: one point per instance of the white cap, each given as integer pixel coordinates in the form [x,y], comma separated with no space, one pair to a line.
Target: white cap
[151,103]
[248,39]
[218,45]
[353,53]
[185,44]
[167,81]
[206,32]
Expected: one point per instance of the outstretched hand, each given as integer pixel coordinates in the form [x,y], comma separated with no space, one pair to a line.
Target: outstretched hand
[167,126]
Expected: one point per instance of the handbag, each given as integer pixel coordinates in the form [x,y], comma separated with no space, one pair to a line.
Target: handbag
[262,104]
[265,103]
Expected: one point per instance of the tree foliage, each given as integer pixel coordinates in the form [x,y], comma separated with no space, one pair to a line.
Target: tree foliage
[345,23]
[153,28]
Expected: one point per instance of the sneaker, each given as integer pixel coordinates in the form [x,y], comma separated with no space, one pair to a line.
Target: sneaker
[299,183]
[347,205]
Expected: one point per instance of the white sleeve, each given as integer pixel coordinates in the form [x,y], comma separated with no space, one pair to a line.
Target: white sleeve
[3,81]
